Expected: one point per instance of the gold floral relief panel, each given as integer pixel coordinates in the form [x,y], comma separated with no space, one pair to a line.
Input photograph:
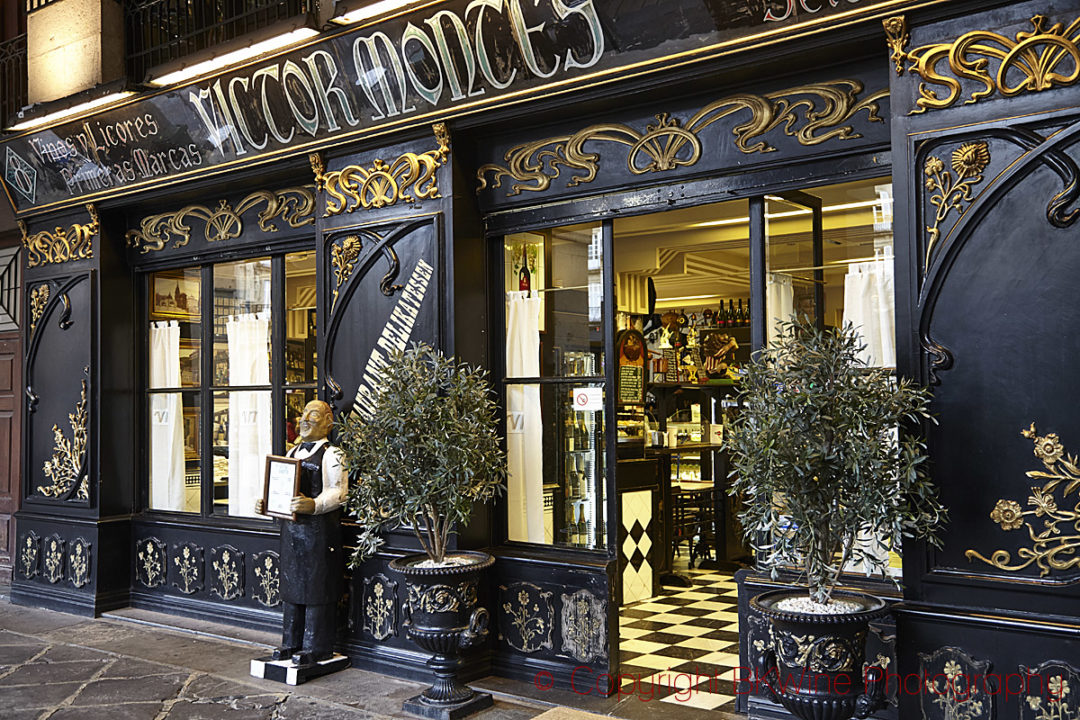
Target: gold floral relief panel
[1050,691]
[955,686]
[66,469]
[150,562]
[227,572]
[1044,528]
[584,626]
[52,558]
[526,617]
[28,552]
[187,568]
[267,586]
[982,63]
[380,607]
[79,562]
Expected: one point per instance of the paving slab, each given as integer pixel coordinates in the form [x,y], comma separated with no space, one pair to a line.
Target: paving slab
[115,691]
[186,710]
[47,672]
[18,654]
[37,696]
[126,711]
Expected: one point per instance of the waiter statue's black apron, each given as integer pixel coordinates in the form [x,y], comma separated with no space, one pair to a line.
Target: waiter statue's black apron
[311,573]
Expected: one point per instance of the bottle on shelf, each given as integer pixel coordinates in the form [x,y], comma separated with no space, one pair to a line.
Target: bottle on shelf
[732,315]
[721,316]
[524,276]
[743,321]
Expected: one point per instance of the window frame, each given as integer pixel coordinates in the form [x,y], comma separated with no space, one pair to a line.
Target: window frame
[206,390]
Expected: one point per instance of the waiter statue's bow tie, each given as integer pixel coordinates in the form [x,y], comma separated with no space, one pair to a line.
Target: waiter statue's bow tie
[305,446]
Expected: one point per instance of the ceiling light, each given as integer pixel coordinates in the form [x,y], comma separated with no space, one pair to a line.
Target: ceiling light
[71,111]
[791,213]
[370,10]
[231,58]
[687,297]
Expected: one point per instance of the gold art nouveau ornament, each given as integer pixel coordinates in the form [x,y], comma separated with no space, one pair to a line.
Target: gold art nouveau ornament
[1054,545]
[1036,60]
[343,256]
[294,205]
[408,178]
[39,298]
[812,114]
[950,191]
[60,245]
[67,466]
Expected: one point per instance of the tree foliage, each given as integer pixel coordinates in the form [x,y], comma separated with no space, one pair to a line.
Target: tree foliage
[816,457]
[429,452]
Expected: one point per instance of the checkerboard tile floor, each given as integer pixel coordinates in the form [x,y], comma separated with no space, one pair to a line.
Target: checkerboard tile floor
[682,646]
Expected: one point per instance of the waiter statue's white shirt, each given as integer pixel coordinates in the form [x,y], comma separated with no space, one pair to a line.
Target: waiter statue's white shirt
[335,483]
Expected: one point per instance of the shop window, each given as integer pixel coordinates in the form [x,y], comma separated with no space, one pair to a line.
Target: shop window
[554,386]
[213,414]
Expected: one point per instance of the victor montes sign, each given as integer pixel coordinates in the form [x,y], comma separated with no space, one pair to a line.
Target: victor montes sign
[436,62]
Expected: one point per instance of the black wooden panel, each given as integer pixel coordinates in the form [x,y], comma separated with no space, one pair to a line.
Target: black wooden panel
[58,384]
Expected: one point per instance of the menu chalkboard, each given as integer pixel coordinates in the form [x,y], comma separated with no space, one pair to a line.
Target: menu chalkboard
[630,345]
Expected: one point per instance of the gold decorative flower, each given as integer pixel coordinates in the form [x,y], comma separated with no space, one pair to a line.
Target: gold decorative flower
[1034,701]
[1059,687]
[895,26]
[1044,502]
[952,669]
[1007,514]
[1049,449]
[933,166]
[970,159]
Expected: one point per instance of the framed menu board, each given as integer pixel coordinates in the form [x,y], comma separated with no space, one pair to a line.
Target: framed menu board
[281,484]
[630,378]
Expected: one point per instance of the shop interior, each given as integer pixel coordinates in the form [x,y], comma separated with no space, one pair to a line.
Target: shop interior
[682,326]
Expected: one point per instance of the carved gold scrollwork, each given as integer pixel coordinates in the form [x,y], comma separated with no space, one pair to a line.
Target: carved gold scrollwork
[812,114]
[295,206]
[1054,546]
[60,245]
[409,178]
[949,192]
[1041,59]
[826,654]
[442,598]
[67,466]
[343,256]
[39,298]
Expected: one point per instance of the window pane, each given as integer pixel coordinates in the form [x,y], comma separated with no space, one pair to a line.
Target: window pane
[300,318]
[562,268]
[242,323]
[174,314]
[243,425]
[556,483]
[295,400]
[174,452]
[856,275]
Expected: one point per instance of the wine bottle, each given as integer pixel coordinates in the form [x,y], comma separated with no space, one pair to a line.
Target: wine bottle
[734,318]
[743,321]
[722,319]
[524,276]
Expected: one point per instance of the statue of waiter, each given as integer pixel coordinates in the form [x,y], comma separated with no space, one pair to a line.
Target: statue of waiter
[311,550]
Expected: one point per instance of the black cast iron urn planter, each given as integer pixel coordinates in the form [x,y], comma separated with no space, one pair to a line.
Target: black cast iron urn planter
[442,617]
[814,665]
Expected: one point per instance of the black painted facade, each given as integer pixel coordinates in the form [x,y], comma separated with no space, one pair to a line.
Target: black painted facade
[985,187]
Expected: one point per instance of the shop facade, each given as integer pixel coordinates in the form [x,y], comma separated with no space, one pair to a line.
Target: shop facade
[407,180]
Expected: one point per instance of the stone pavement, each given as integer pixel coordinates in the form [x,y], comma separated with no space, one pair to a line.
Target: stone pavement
[64,667]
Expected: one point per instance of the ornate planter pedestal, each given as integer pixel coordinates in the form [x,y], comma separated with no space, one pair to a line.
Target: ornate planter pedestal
[814,665]
[442,617]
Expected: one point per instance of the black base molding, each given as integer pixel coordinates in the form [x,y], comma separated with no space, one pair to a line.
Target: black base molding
[410,663]
[34,594]
[251,618]
[589,679]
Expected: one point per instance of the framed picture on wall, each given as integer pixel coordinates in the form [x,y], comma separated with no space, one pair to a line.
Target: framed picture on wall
[189,362]
[191,433]
[176,297]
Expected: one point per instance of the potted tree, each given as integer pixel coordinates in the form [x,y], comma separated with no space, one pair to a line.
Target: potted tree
[427,454]
[817,460]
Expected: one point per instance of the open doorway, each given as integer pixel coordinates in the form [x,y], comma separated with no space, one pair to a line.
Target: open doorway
[685,321]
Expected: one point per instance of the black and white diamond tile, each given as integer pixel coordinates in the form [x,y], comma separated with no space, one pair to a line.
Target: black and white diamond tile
[637,575]
[682,646]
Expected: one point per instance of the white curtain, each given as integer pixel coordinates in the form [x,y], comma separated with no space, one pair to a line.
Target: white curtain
[250,420]
[779,303]
[166,420]
[524,424]
[870,305]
